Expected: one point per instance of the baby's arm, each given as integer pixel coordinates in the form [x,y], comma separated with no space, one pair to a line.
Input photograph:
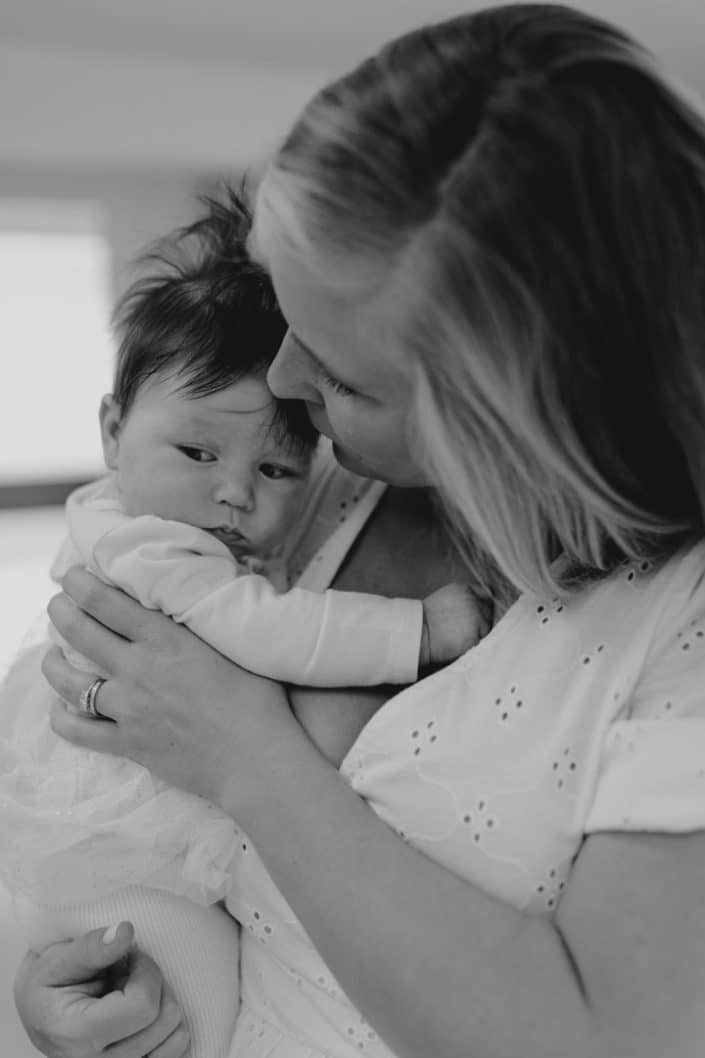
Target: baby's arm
[453,621]
[318,639]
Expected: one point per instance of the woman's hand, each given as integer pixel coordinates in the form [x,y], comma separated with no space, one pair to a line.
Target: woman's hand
[186,713]
[85,998]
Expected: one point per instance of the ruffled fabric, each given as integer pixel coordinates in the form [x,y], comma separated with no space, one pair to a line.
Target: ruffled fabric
[257,1038]
[76,825]
[291,1005]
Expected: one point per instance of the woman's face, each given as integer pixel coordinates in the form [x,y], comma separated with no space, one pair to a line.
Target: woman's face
[356,390]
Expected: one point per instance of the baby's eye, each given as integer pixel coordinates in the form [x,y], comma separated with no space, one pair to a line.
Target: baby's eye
[335,384]
[275,472]
[198,455]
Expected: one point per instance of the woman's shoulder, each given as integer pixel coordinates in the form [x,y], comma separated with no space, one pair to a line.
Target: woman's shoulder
[627,636]
[673,675]
[653,756]
[674,592]
[647,593]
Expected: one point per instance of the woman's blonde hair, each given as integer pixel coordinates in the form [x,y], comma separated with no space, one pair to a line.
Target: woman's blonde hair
[529,194]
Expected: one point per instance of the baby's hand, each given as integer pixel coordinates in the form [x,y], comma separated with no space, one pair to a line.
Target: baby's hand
[453,621]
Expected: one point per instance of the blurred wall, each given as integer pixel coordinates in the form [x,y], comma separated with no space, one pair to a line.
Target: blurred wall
[139,204]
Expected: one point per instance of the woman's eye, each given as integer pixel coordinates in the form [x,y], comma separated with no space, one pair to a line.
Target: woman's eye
[276,473]
[336,385]
[198,455]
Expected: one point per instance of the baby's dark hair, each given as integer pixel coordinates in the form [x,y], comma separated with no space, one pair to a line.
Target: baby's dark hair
[206,313]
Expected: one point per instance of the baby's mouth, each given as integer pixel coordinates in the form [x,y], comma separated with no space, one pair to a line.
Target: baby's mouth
[228,536]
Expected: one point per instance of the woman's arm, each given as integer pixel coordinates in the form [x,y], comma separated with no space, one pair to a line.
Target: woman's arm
[439,967]
[436,965]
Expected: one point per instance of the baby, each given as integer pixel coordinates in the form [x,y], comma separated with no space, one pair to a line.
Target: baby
[209,475]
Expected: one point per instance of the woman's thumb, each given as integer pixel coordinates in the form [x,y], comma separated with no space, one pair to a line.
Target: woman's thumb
[79,960]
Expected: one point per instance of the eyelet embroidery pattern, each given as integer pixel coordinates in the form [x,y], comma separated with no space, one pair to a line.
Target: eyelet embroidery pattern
[344,507]
[339,517]
[547,611]
[258,1027]
[549,889]
[634,570]
[479,821]
[255,923]
[563,770]
[423,736]
[692,636]
[254,1027]
[329,985]
[361,1034]
[592,655]
[509,705]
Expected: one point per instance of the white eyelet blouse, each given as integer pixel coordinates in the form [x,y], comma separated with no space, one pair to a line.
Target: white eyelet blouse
[567,719]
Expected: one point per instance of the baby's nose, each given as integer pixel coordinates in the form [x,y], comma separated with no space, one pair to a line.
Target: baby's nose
[236,492]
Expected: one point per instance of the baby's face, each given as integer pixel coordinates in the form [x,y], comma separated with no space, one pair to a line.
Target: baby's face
[210,461]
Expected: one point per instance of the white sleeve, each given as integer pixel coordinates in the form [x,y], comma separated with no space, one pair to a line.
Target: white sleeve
[652,773]
[318,639]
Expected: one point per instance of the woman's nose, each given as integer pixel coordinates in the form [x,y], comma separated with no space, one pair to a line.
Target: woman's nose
[291,373]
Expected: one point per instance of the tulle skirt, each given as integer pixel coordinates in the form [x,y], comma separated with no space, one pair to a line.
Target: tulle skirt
[77,825]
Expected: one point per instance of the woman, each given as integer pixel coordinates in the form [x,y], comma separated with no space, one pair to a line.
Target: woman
[489,243]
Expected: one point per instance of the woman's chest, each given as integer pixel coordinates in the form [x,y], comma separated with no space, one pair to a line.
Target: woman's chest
[402,550]
[490,766]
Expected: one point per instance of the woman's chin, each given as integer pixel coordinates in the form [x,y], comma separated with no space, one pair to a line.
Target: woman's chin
[354,463]
[407,477]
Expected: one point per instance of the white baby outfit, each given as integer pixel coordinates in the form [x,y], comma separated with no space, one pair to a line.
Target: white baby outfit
[88,839]
[319,639]
[567,719]
[303,636]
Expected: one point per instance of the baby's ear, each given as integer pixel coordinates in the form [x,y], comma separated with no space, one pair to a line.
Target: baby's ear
[110,421]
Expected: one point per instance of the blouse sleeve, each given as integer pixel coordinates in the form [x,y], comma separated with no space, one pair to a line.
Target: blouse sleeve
[652,774]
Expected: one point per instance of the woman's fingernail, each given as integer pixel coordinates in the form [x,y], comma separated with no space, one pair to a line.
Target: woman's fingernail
[110,934]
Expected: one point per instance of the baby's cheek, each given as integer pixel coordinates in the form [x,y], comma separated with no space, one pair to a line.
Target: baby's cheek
[158,495]
[135,495]
[284,511]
